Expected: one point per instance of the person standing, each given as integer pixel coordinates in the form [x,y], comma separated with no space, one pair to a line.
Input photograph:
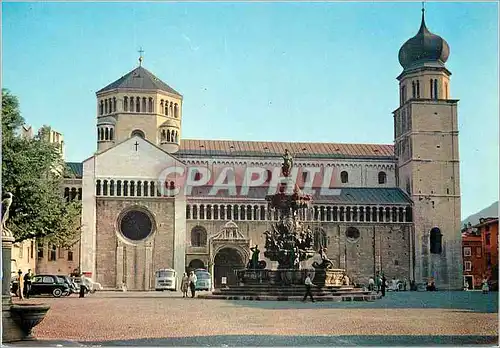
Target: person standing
[185,285]
[83,279]
[371,284]
[485,286]
[192,283]
[383,285]
[20,285]
[308,283]
[28,277]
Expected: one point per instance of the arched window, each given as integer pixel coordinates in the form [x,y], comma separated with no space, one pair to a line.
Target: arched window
[137,104]
[119,188]
[176,111]
[114,104]
[125,188]
[111,135]
[198,236]
[111,187]
[168,136]
[162,110]
[101,108]
[131,104]
[418,89]
[195,212]
[125,103]
[382,178]
[150,105]
[98,188]
[188,212]
[105,188]
[435,241]
[166,107]
[352,234]
[138,132]
[171,108]
[413,89]
[435,89]
[106,134]
[172,136]
[344,177]
[106,106]
[143,104]
[176,137]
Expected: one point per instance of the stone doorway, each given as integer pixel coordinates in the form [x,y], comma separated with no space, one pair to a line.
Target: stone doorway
[226,261]
[195,264]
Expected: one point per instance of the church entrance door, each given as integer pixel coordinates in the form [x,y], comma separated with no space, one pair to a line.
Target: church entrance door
[226,262]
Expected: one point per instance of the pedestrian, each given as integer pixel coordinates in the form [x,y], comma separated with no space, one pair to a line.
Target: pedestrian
[371,284]
[378,282]
[308,283]
[405,283]
[485,286]
[383,285]
[192,283]
[82,285]
[28,278]
[20,285]
[185,285]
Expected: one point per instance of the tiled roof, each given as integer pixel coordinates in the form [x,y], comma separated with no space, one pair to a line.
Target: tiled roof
[272,149]
[140,78]
[75,168]
[352,195]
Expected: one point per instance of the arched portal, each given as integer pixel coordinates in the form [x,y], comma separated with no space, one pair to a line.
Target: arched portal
[196,264]
[226,261]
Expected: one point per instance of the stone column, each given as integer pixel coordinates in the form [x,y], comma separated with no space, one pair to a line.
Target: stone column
[10,331]
[119,265]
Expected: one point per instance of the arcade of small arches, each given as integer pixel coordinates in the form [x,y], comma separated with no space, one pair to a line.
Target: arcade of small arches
[169,136]
[72,193]
[107,106]
[105,133]
[138,104]
[134,188]
[415,90]
[169,109]
[236,212]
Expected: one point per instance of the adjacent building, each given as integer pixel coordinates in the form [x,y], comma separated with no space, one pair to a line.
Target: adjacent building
[480,252]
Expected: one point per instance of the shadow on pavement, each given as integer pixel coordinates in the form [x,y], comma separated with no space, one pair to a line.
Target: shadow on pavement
[269,340]
[457,300]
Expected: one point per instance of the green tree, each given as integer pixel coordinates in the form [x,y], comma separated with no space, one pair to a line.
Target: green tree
[33,171]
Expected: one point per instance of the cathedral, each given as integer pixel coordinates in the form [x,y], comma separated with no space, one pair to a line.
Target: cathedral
[397,207]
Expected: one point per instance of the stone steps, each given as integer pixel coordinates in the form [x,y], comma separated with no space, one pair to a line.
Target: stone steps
[327,298]
[248,292]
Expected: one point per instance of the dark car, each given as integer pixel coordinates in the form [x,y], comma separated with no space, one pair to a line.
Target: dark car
[49,284]
[72,286]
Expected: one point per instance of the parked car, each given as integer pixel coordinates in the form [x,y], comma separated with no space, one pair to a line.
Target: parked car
[204,280]
[90,286]
[49,284]
[72,286]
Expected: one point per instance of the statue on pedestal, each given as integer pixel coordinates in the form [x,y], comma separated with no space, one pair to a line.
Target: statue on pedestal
[287,164]
[255,257]
[6,203]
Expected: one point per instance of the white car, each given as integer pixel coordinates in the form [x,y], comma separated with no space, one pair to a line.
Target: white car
[166,279]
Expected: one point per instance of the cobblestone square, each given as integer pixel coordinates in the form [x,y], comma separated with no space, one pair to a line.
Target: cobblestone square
[150,318]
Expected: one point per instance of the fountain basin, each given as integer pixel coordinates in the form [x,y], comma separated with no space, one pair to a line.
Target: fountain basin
[27,316]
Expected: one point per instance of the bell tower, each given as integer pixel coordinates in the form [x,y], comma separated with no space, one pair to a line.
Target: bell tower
[426,147]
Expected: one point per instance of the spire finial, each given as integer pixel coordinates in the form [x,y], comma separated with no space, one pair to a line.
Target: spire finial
[141,58]
[422,24]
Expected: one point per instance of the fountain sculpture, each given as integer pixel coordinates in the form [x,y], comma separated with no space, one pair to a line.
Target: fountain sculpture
[17,319]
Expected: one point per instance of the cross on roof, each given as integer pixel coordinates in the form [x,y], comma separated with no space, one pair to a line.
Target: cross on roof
[136,145]
[141,51]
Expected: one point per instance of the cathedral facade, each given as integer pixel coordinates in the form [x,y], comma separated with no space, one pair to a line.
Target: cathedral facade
[396,207]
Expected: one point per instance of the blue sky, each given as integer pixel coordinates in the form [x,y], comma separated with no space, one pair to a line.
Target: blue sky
[257,71]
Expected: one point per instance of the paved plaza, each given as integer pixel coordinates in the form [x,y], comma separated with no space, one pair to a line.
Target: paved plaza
[406,318]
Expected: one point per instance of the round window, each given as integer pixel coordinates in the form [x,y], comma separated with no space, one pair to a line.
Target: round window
[352,233]
[136,225]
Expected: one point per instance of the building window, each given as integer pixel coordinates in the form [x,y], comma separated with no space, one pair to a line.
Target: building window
[198,237]
[136,225]
[304,177]
[197,176]
[138,133]
[32,247]
[53,253]
[413,89]
[418,89]
[61,253]
[467,251]
[21,249]
[468,266]
[487,238]
[382,178]
[435,239]
[344,177]
[70,255]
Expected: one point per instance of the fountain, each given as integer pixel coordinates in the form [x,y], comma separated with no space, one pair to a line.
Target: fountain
[17,319]
[290,242]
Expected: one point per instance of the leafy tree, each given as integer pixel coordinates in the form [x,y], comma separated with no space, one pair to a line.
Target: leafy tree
[33,171]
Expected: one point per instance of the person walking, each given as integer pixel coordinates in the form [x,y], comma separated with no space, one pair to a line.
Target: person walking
[185,285]
[83,279]
[20,285]
[28,278]
[192,283]
[383,285]
[308,283]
